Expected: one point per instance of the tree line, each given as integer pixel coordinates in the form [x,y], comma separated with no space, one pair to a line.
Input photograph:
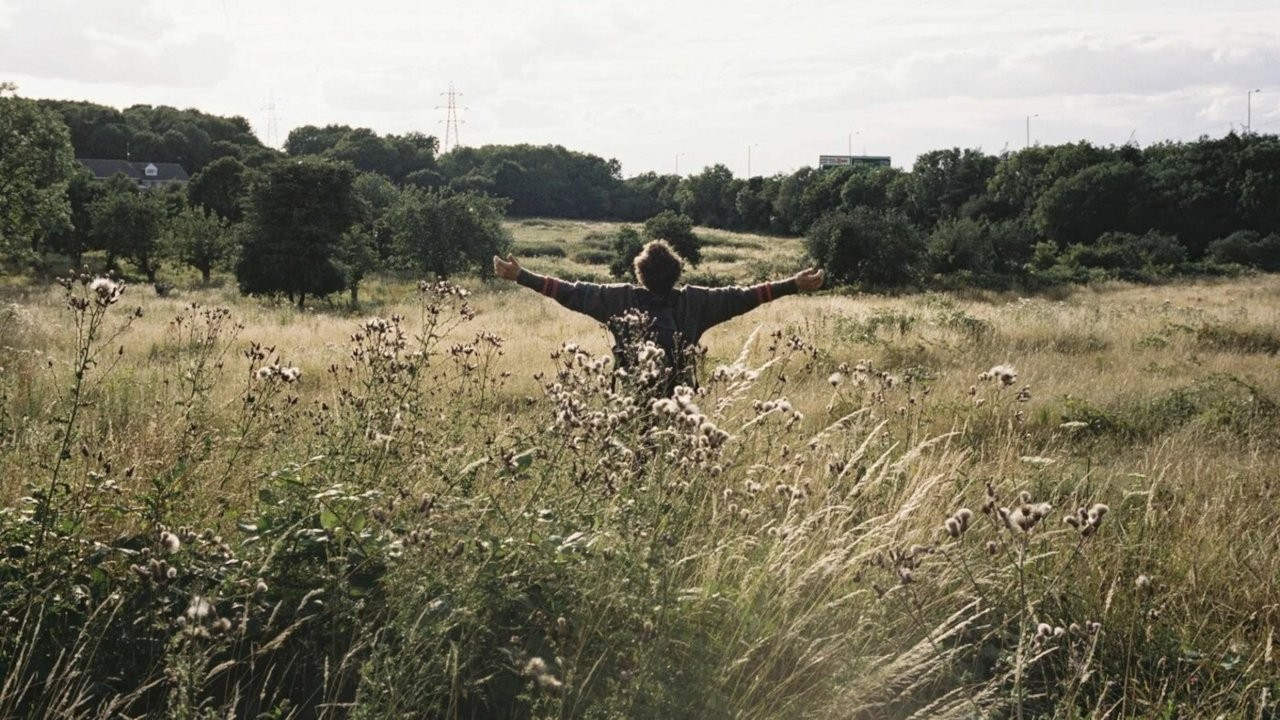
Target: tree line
[343,201]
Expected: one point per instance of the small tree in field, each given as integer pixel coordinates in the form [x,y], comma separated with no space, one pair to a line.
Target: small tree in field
[198,238]
[627,244]
[667,225]
[677,230]
[296,215]
[357,257]
[865,246]
[126,223]
[444,232]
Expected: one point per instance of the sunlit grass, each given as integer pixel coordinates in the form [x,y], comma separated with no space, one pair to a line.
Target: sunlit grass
[491,531]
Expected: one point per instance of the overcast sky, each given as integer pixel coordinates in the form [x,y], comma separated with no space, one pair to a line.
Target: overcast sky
[657,82]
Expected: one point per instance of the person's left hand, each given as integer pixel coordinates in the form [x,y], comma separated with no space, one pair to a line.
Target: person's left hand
[508,269]
[810,279]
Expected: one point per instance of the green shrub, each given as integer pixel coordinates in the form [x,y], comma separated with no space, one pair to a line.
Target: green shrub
[677,230]
[867,247]
[541,249]
[1248,248]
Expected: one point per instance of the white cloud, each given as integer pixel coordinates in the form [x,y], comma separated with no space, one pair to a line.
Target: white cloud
[110,41]
[643,82]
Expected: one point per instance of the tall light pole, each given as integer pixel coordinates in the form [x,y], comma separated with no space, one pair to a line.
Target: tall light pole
[678,164]
[749,159]
[1248,126]
[1029,128]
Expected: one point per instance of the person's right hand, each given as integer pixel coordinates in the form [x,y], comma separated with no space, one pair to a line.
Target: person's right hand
[508,269]
[810,279]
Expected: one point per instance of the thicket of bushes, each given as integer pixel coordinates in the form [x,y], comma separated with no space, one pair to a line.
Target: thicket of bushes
[1039,216]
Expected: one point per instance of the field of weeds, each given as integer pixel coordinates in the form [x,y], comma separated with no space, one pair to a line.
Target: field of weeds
[449,505]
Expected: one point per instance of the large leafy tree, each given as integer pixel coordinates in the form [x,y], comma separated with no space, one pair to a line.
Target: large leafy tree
[444,232]
[1077,209]
[376,195]
[125,222]
[220,188]
[546,180]
[943,181]
[36,166]
[74,238]
[295,218]
[709,196]
[157,133]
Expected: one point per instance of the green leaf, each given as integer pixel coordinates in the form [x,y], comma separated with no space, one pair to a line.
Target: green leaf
[328,520]
[523,460]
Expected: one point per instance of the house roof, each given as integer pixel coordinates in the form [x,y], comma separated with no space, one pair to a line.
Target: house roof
[164,172]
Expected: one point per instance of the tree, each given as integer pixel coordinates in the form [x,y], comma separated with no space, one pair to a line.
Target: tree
[159,133]
[961,245]
[677,230]
[444,232]
[296,215]
[868,187]
[198,238]
[865,246]
[1075,210]
[942,181]
[751,206]
[126,224]
[708,197]
[36,166]
[627,244]
[375,196]
[358,257]
[74,238]
[220,188]
[312,140]
[790,213]
[546,180]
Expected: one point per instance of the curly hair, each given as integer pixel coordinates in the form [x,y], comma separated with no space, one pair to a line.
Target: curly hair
[657,267]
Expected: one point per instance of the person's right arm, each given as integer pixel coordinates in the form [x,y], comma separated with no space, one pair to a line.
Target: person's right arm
[600,302]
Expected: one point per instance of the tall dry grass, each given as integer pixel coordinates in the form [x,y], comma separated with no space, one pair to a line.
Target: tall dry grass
[450,515]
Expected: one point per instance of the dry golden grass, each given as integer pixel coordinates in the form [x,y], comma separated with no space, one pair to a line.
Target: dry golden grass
[777,566]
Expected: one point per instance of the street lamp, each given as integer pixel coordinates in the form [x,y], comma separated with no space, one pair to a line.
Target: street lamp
[678,164]
[851,142]
[1029,128]
[749,159]
[1249,116]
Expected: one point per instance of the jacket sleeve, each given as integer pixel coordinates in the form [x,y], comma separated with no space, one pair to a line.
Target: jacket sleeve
[600,302]
[712,306]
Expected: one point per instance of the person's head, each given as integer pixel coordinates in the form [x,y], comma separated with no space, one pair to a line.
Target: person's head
[657,267]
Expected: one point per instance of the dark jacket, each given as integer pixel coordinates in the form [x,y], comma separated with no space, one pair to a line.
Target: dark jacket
[694,309]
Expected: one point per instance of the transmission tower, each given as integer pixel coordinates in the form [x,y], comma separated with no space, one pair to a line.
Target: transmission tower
[272,128]
[450,119]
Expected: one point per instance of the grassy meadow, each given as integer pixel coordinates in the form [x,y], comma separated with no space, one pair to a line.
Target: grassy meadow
[445,503]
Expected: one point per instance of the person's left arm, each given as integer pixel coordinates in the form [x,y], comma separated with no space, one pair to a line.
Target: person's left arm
[713,306]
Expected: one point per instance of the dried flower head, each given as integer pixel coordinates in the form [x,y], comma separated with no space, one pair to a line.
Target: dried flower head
[952,527]
[1004,375]
[199,609]
[170,542]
